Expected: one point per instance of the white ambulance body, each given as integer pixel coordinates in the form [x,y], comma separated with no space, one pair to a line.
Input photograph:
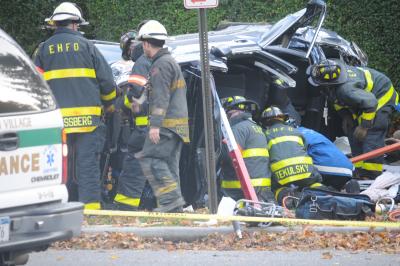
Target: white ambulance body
[34,211]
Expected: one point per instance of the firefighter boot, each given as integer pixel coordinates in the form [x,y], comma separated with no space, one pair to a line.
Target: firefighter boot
[352,187]
[174,206]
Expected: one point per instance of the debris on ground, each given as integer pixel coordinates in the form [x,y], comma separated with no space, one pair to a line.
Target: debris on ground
[305,240]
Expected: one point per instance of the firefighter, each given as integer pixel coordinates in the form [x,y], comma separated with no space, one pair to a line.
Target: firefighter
[168,120]
[81,81]
[364,98]
[292,168]
[130,185]
[251,140]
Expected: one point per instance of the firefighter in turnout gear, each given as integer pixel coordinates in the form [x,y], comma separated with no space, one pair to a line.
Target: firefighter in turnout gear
[292,169]
[132,179]
[251,140]
[364,98]
[168,120]
[81,81]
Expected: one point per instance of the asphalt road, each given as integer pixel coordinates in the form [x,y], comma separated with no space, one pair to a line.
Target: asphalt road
[201,258]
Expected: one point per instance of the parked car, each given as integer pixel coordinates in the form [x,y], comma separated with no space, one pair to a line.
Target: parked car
[34,211]
[245,59]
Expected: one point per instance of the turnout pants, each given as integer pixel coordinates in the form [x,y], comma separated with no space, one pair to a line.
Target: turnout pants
[295,188]
[375,139]
[84,166]
[132,180]
[160,165]
[232,188]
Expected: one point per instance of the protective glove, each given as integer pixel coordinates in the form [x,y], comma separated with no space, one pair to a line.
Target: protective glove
[360,133]
[347,124]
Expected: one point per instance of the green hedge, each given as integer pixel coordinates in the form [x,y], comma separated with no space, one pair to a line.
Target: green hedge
[370,23]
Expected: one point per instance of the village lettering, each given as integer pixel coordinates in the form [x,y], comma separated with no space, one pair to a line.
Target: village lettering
[24,122]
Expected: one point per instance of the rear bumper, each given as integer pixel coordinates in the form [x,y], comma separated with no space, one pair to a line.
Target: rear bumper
[34,228]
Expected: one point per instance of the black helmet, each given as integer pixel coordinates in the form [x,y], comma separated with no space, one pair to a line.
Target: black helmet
[327,72]
[125,44]
[239,103]
[273,113]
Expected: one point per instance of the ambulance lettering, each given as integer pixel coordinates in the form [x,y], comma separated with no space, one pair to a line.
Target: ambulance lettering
[17,164]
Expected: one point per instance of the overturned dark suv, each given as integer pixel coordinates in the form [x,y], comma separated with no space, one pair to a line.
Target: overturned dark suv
[246,59]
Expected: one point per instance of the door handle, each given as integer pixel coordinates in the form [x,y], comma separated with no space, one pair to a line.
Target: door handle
[9,141]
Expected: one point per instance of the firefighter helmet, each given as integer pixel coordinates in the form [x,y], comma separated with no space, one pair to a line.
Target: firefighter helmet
[67,11]
[273,113]
[125,44]
[239,103]
[327,73]
[152,29]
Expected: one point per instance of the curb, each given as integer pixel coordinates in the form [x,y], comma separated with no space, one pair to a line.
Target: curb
[190,234]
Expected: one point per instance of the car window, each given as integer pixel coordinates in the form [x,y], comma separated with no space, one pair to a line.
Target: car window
[21,87]
[112,53]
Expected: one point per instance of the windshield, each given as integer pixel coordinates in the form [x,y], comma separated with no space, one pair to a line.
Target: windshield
[111,52]
[22,88]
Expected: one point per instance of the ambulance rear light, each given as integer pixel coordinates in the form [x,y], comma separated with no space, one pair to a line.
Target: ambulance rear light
[64,157]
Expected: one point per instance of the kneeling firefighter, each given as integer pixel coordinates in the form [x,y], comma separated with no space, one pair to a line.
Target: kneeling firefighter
[292,168]
[364,98]
[250,138]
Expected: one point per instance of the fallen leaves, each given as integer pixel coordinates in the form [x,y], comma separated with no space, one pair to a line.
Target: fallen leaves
[258,240]
[327,256]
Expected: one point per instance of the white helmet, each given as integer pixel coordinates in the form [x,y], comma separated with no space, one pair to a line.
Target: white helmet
[67,11]
[152,29]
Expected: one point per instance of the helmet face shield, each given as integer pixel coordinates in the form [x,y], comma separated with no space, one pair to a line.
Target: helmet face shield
[327,73]
[127,44]
[239,103]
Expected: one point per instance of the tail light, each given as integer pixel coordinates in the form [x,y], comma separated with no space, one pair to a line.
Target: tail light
[64,157]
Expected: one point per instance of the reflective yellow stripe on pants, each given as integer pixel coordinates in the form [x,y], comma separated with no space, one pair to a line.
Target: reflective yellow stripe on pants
[135,202]
[256,182]
[92,206]
[369,166]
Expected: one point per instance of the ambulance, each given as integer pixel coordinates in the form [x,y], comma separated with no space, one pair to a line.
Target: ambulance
[34,207]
